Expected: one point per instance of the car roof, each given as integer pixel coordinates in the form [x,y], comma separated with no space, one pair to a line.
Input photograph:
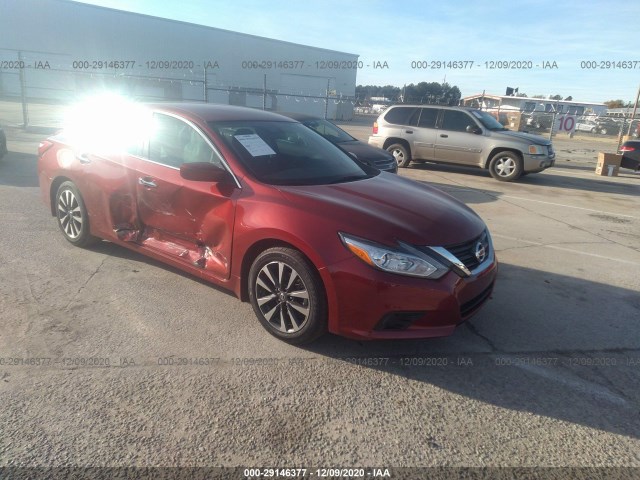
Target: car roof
[212,112]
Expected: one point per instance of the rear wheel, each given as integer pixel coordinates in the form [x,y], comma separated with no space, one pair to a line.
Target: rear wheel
[72,216]
[400,153]
[505,166]
[287,296]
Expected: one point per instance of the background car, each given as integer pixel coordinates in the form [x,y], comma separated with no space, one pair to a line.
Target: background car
[462,136]
[607,125]
[539,120]
[259,204]
[630,155]
[376,157]
[3,143]
[584,125]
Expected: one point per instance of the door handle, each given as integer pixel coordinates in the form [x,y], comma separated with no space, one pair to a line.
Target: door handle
[408,131]
[147,182]
[83,158]
[444,136]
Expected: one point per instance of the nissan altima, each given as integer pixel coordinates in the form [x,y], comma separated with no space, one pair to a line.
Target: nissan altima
[261,205]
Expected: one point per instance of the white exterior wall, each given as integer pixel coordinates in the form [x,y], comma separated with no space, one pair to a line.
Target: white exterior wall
[61,32]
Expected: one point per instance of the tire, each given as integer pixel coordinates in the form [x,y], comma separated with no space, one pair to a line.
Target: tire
[505,166]
[274,275]
[72,216]
[400,153]
[603,131]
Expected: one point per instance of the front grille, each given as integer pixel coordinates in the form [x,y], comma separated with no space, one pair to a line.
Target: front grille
[472,305]
[466,252]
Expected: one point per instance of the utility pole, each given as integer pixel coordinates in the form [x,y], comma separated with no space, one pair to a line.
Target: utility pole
[326,101]
[635,108]
[204,87]
[23,93]
[264,92]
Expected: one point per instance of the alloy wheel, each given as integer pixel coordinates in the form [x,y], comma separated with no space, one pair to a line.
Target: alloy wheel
[505,166]
[282,297]
[69,214]
[398,155]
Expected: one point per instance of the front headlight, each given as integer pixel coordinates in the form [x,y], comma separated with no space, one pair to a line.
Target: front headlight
[403,260]
[537,150]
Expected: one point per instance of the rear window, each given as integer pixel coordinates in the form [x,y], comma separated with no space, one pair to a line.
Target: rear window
[400,115]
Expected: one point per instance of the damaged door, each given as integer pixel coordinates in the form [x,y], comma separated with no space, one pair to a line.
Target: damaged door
[191,221]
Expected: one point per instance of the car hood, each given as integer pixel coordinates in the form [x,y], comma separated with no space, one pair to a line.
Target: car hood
[537,139]
[386,208]
[364,151]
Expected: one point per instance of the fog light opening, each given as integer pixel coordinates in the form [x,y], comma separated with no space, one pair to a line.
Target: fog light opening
[399,320]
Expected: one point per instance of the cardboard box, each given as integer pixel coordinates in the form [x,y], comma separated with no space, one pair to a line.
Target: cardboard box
[608,164]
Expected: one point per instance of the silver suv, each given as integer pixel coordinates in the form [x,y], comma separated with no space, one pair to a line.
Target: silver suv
[460,136]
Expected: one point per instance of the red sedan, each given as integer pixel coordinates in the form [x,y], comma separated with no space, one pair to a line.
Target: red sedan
[259,204]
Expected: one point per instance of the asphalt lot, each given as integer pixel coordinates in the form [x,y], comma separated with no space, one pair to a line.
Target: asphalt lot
[547,374]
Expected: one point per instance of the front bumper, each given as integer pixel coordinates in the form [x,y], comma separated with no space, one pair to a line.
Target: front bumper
[369,302]
[537,163]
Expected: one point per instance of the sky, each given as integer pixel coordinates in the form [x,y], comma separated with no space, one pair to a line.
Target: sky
[584,42]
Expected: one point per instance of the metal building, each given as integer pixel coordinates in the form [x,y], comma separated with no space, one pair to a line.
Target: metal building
[56,50]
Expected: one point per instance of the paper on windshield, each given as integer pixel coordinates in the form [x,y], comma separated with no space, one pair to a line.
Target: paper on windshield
[254,145]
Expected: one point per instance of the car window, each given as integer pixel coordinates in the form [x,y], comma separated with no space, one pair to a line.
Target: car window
[136,148]
[288,153]
[174,142]
[328,130]
[400,115]
[456,121]
[487,120]
[428,117]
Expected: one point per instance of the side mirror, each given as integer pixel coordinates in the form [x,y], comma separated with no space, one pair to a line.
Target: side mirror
[203,172]
[474,129]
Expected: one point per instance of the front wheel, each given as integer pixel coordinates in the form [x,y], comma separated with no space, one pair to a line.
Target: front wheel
[287,296]
[72,216]
[505,166]
[400,153]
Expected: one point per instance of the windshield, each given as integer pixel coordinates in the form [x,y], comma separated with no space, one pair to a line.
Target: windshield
[288,153]
[328,130]
[488,120]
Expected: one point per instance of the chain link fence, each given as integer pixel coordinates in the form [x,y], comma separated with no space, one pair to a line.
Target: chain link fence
[35,88]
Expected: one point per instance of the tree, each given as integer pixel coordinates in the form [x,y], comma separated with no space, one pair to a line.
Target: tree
[539,96]
[614,104]
[569,98]
[555,97]
[365,92]
[522,95]
[423,92]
